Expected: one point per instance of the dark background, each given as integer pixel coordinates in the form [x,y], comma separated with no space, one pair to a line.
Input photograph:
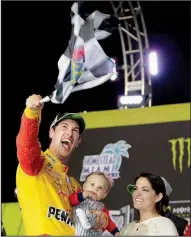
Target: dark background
[35,34]
[150,152]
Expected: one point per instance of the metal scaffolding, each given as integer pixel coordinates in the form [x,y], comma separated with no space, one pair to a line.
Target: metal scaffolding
[135,48]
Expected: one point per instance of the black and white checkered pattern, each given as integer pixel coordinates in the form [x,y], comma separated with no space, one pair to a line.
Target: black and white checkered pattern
[84,64]
[87,205]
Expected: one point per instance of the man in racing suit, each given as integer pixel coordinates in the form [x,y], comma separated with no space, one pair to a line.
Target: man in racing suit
[43,186]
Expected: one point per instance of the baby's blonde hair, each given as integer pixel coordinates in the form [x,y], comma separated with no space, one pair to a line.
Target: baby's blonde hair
[109,180]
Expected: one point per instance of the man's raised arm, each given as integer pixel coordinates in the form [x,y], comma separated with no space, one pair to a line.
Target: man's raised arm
[27,143]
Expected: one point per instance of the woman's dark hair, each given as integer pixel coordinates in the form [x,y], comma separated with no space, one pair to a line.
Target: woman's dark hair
[158,186]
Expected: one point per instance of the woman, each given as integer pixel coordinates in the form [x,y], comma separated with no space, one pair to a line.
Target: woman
[149,196]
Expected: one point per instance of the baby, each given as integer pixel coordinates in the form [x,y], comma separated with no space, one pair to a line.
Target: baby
[96,187]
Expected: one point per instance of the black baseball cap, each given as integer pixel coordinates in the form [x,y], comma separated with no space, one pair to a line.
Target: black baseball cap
[74,116]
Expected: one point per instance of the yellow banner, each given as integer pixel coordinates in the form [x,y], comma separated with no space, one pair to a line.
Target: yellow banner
[11,218]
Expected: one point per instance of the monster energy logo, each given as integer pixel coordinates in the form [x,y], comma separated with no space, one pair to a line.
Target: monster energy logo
[179,148]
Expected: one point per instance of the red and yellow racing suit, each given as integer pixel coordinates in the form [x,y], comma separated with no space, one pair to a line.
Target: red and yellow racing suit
[43,185]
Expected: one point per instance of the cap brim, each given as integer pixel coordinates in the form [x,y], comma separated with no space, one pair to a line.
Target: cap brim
[130,188]
[74,116]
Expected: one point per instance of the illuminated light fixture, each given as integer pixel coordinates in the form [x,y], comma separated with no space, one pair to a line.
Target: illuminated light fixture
[114,77]
[153,63]
[130,101]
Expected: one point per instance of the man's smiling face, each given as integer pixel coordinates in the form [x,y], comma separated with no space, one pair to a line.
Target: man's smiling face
[65,137]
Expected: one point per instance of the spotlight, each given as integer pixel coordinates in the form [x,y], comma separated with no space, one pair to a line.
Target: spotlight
[153,64]
[114,77]
[130,101]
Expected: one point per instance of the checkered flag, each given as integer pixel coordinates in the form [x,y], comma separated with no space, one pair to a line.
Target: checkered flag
[84,64]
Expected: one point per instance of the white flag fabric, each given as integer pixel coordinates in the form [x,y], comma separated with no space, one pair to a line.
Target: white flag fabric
[84,64]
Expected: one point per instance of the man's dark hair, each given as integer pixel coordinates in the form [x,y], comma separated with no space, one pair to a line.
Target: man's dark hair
[54,127]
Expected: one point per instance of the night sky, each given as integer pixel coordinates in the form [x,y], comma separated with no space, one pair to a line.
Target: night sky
[35,34]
